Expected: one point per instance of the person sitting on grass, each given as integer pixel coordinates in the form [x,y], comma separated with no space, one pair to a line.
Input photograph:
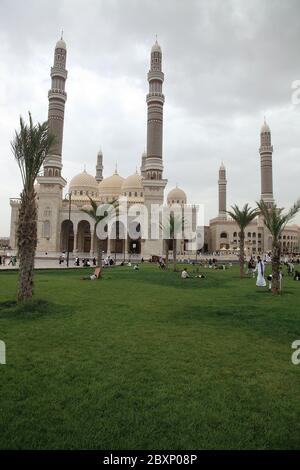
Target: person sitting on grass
[135,267]
[92,277]
[297,276]
[184,274]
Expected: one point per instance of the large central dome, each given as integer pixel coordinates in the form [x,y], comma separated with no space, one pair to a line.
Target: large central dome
[133,187]
[111,187]
[82,186]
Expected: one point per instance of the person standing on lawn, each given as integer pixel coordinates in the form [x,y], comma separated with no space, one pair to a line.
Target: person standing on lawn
[260,269]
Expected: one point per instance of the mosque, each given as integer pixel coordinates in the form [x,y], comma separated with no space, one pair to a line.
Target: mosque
[62,224]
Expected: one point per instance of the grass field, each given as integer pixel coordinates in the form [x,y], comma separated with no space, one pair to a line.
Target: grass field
[145,360]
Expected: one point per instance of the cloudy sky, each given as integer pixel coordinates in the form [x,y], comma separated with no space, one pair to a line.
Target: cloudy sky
[227,63]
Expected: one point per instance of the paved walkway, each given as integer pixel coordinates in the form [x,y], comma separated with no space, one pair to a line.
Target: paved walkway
[42,264]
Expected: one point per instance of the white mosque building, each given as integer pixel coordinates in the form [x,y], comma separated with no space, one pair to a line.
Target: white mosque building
[62,225]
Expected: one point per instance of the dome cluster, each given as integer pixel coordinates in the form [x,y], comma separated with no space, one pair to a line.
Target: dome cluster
[84,185]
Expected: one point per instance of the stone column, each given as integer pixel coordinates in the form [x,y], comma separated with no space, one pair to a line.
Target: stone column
[75,249]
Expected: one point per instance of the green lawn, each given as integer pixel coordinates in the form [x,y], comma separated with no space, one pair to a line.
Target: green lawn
[145,360]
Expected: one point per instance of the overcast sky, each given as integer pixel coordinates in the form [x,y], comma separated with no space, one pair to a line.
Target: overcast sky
[227,63]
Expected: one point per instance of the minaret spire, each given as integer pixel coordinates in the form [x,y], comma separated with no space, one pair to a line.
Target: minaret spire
[56,111]
[266,153]
[222,192]
[99,166]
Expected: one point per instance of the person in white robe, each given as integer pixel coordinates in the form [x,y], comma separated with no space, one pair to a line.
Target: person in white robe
[260,269]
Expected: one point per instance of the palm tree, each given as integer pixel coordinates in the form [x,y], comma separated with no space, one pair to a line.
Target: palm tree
[275,221]
[30,147]
[166,243]
[93,213]
[171,228]
[242,217]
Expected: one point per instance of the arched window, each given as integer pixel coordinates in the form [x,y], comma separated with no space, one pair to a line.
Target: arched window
[249,234]
[254,234]
[234,234]
[223,235]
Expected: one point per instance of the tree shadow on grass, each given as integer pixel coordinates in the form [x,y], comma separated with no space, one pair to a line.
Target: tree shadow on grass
[32,309]
[262,319]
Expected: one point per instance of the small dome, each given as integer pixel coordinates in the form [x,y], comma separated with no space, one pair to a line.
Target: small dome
[176,194]
[132,182]
[83,180]
[61,44]
[156,47]
[265,127]
[111,186]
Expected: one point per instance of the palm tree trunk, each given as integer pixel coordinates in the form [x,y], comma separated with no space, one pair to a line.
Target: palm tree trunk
[27,241]
[174,254]
[275,267]
[99,251]
[167,252]
[242,253]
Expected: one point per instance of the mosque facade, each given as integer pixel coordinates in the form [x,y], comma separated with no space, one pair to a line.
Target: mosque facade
[64,226]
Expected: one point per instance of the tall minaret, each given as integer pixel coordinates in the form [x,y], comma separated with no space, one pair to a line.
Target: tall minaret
[51,184]
[155,101]
[56,111]
[222,191]
[266,151]
[99,166]
[153,182]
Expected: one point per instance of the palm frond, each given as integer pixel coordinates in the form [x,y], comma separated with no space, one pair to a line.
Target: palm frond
[243,216]
[30,147]
[274,219]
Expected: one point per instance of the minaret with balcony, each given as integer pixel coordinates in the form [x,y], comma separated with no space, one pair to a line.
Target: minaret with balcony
[266,153]
[222,183]
[57,97]
[99,167]
[153,182]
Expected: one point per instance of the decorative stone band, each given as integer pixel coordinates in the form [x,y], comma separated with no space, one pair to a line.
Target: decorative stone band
[58,72]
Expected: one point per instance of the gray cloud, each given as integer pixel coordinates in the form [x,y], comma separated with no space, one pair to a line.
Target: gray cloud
[226,64]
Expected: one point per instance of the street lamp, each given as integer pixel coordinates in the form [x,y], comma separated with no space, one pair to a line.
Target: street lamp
[69,226]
